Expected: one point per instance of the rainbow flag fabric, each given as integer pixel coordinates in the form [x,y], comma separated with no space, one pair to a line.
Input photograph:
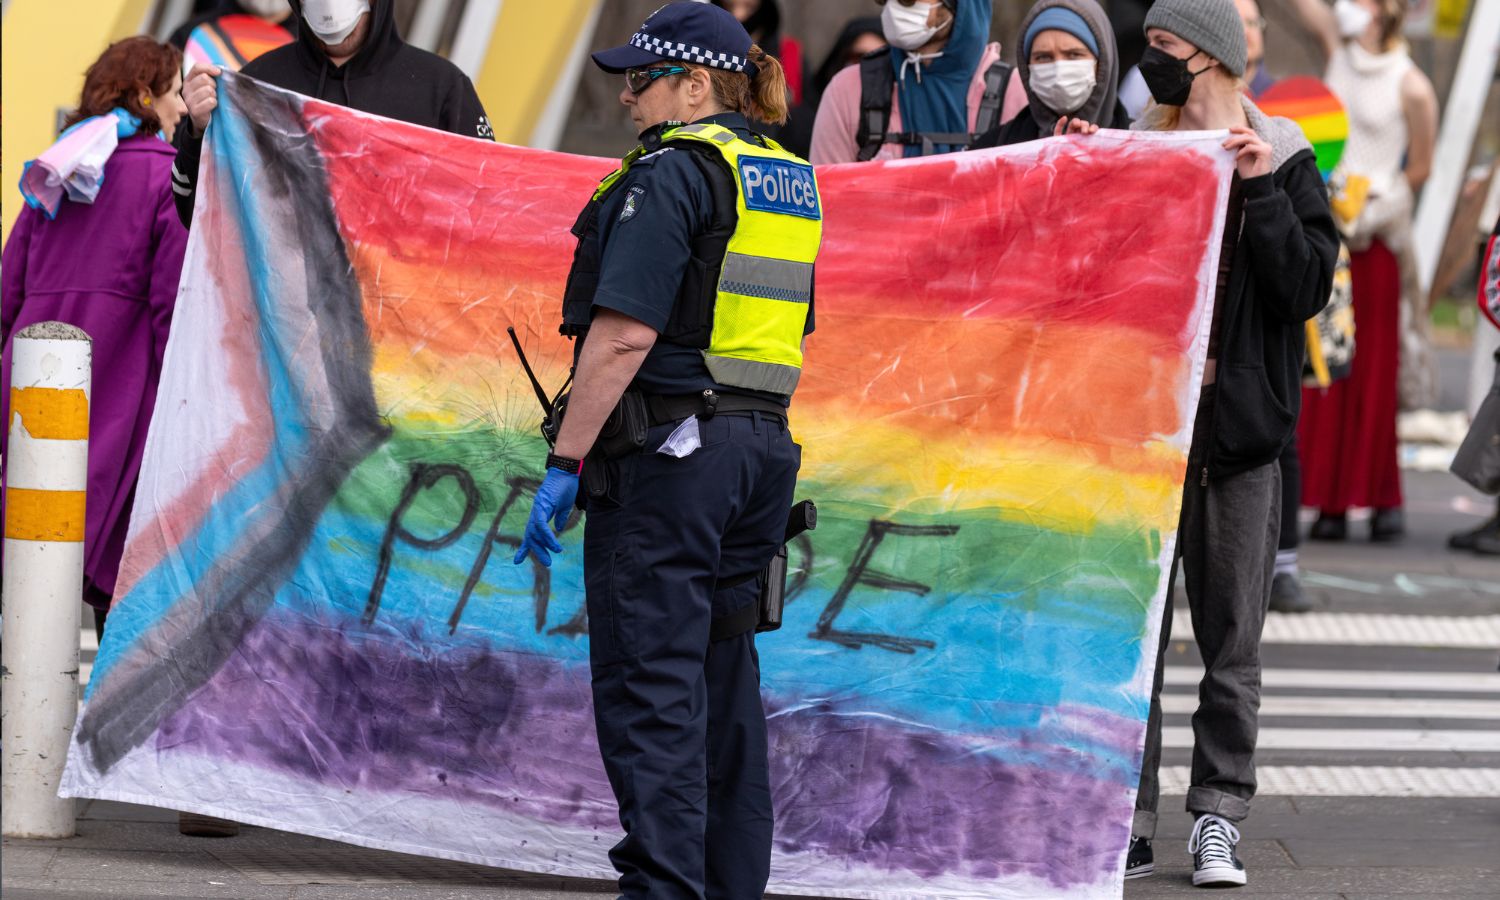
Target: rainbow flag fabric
[1308,102]
[319,628]
[232,41]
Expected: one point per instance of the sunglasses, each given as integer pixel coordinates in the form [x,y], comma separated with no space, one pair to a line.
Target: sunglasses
[640,79]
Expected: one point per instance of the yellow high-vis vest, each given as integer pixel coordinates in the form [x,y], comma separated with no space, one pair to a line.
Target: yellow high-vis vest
[765,283]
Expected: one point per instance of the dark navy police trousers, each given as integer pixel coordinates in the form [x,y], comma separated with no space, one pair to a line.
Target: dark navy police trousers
[680,722]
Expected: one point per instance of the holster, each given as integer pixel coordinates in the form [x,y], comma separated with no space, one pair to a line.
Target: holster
[765,614]
[624,433]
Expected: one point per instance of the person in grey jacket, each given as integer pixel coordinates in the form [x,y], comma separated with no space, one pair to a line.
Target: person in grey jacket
[1275,272]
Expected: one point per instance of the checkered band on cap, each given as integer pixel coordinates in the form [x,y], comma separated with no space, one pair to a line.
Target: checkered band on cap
[688,53]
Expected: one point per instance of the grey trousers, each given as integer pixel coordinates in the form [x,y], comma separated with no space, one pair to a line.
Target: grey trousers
[1227,550]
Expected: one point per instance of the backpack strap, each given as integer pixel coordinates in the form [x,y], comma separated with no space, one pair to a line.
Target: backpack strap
[992,104]
[876,81]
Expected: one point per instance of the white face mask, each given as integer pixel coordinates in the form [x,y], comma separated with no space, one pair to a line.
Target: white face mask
[1352,18]
[1064,86]
[275,10]
[906,27]
[333,20]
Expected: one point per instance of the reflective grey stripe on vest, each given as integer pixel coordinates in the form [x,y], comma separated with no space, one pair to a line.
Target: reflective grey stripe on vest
[752,375]
[769,279]
[718,136]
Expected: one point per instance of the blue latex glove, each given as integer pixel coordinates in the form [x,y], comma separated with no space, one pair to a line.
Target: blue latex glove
[553,505]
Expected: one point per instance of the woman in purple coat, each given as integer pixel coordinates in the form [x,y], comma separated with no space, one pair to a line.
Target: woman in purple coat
[105,254]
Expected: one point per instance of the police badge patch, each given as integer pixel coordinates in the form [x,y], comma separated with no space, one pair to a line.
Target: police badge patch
[634,197]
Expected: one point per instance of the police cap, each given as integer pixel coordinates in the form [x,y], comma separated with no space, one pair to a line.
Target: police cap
[692,32]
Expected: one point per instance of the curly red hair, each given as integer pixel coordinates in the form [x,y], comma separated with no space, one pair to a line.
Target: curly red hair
[124,75]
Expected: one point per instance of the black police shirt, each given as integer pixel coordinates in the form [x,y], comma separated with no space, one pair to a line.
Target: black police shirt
[646,228]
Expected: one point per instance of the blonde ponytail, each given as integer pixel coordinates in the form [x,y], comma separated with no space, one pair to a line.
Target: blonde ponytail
[763,98]
[768,90]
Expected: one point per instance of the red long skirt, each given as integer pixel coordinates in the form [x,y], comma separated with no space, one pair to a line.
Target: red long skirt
[1347,436]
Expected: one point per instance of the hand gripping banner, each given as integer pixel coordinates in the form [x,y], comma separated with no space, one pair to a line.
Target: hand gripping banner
[318,626]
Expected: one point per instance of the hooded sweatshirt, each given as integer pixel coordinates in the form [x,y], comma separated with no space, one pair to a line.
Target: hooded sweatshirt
[1280,276]
[947,100]
[933,94]
[387,77]
[1102,107]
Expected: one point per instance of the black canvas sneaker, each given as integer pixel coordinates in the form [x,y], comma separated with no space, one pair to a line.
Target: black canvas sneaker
[1138,860]
[1212,845]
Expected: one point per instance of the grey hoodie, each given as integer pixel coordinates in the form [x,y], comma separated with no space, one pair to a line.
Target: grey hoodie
[1101,103]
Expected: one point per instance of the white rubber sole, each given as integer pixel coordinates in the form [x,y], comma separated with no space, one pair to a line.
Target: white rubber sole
[1219,876]
[1140,871]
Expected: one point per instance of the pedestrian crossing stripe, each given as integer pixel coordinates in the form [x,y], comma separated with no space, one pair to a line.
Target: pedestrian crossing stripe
[1369,629]
[1357,781]
[1355,680]
[1354,707]
[1382,739]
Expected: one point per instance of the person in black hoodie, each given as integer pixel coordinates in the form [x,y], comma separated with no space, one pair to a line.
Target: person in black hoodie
[1275,272]
[1067,65]
[363,64]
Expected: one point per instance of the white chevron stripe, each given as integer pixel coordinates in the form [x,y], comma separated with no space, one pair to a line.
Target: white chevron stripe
[1382,739]
[1354,679]
[1357,781]
[1370,629]
[1354,707]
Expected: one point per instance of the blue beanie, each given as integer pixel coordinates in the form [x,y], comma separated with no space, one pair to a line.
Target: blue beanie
[1060,18]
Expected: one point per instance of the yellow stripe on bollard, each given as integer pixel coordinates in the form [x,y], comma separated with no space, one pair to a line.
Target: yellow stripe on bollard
[44,515]
[58,414]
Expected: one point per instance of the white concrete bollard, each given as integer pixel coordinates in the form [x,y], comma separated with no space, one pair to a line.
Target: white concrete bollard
[46,475]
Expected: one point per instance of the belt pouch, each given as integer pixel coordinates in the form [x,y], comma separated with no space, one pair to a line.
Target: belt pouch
[624,432]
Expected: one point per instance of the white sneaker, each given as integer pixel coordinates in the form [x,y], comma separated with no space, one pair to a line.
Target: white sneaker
[1212,845]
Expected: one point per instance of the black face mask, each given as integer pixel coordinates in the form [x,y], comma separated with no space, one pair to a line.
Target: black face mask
[1167,77]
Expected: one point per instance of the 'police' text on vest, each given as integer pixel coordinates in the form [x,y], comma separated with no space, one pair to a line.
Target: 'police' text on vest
[776,186]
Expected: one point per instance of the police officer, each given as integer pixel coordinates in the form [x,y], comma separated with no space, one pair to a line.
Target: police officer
[689,297]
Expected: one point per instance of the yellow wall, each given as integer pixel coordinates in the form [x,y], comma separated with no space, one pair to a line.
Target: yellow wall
[47,46]
[531,46]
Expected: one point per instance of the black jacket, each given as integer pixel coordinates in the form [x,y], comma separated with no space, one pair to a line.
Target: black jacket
[1023,127]
[387,77]
[1280,276]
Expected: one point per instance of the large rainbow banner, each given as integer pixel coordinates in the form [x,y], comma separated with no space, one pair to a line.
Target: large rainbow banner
[319,628]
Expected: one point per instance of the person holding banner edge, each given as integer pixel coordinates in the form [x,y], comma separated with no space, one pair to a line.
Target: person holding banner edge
[1275,272]
[348,52]
[689,298]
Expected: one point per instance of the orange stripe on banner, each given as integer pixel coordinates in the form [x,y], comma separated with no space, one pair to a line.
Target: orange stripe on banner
[43,515]
[59,414]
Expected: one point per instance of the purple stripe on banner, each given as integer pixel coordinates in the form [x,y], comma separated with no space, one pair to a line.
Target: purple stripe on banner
[516,732]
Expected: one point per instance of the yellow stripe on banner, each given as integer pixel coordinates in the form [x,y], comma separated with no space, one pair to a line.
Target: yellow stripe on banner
[44,515]
[57,414]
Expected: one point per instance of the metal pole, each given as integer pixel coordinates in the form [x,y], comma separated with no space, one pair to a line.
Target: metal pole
[46,475]
[1471,85]
[427,28]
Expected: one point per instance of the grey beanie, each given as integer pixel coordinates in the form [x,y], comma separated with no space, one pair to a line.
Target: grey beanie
[1213,26]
